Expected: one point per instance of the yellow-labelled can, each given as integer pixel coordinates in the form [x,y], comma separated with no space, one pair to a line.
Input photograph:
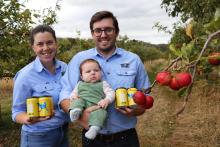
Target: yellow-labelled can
[45,106]
[32,107]
[131,92]
[121,97]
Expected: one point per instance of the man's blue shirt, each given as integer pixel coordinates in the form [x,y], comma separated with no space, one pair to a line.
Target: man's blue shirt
[35,80]
[122,69]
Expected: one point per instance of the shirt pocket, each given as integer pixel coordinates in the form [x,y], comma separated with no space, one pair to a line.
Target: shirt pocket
[125,78]
[126,72]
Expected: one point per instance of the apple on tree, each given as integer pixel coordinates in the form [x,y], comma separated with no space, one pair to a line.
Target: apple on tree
[163,77]
[180,80]
[214,58]
[183,79]
[174,84]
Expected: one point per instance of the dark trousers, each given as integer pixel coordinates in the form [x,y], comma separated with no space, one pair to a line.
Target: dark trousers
[127,138]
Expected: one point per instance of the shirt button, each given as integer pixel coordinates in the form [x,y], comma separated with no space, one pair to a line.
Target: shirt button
[108,73]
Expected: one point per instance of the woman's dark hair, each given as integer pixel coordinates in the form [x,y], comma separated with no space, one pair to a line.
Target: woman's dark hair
[101,15]
[41,28]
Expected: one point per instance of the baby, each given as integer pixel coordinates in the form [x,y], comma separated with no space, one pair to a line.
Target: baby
[88,92]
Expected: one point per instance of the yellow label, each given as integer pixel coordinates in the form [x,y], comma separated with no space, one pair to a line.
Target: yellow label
[32,107]
[45,106]
[131,92]
[121,97]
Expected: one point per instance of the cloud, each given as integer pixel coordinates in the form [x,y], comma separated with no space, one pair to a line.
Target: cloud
[136,18]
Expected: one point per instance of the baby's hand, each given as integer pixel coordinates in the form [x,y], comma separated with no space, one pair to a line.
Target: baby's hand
[104,103]
[73,97]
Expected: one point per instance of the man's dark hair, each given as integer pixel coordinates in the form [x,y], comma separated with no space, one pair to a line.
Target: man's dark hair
[41,28]
[101,15]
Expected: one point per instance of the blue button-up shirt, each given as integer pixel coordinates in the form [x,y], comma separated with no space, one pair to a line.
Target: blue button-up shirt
[122,69]
[35,80]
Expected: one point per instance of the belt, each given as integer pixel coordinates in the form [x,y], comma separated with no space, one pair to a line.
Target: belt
[115,136]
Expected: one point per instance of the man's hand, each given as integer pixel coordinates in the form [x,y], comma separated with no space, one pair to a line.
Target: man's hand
[132,111]
[65,104]
[83,120]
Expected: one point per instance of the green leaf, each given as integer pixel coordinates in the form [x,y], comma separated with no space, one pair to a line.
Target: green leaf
[182,92]
[217,14]
[175,51]
[187,50]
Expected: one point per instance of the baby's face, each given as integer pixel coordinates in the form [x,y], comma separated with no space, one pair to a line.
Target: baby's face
[91,72]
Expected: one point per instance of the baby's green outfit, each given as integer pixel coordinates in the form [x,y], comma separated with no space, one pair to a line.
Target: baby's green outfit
[90,94]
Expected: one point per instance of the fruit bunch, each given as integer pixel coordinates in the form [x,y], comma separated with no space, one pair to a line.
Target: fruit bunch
[145,101]
[175,82]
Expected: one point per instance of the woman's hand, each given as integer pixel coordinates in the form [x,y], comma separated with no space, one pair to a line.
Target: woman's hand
[23,118]
[38,119]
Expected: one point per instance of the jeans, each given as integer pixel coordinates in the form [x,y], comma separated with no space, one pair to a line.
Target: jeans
[53,138]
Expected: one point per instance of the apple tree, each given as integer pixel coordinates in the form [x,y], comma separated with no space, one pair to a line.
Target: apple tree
[200,10]
[193,43]
[15,24]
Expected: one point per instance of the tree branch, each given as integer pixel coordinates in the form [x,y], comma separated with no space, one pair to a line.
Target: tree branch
[189,88]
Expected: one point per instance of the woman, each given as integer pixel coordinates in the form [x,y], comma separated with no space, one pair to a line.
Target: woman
[40,78]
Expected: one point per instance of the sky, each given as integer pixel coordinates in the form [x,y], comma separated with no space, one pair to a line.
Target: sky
[136,18]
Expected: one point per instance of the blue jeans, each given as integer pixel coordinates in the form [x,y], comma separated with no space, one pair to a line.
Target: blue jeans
[53,138]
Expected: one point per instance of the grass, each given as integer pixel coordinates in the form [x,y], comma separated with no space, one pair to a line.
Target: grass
[10,131]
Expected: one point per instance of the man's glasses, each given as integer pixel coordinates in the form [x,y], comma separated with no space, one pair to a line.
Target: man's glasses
[98,31]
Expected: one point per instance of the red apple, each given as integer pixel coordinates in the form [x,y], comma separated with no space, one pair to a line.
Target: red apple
[149,101]
[214,58]
[183,79]
[144,106]
[139,98]
[163,78]
[174,84]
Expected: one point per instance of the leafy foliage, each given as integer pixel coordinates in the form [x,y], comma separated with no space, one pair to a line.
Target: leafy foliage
[68,47]
[146,51]
[15,24]
[200,10]
[192,43]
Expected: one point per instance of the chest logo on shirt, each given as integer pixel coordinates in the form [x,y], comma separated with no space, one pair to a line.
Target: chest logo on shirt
[125,65]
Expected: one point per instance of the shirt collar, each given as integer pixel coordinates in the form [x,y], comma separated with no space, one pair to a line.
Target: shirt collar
[39,66]
[118,51]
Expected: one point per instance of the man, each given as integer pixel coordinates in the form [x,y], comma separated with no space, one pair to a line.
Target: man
[120,69]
